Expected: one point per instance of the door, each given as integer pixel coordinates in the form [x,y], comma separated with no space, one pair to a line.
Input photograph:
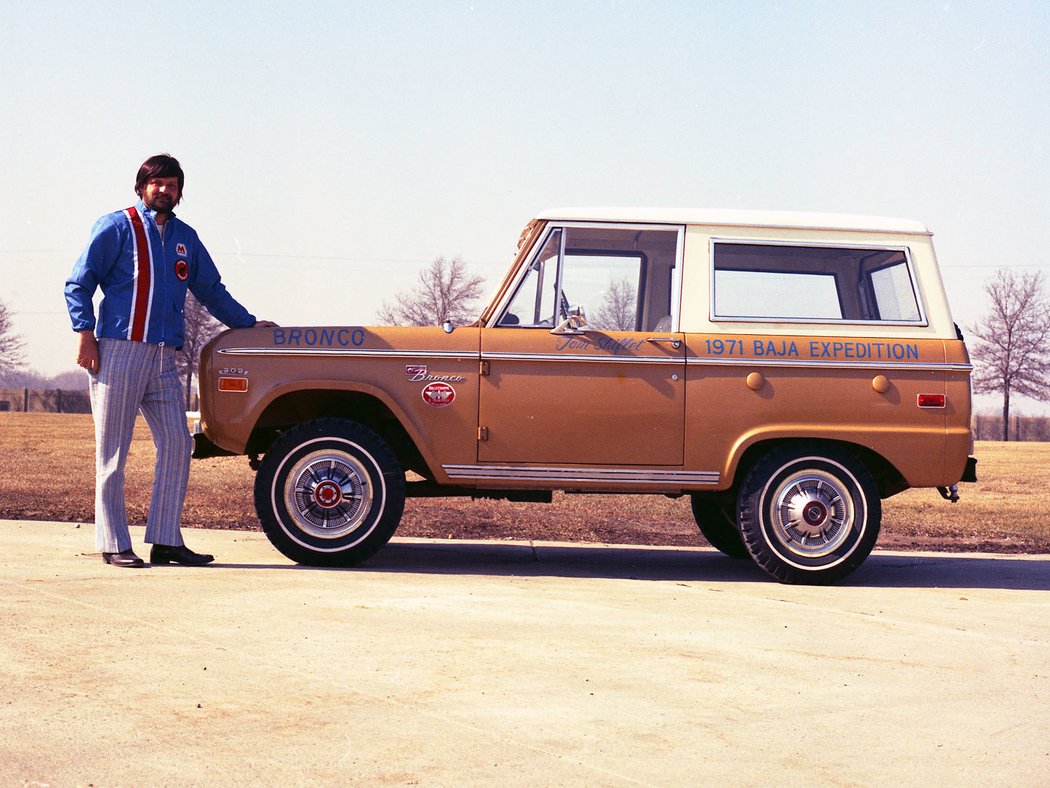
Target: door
[606,387]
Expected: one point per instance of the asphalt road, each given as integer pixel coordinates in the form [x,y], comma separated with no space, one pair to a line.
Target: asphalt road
[515,663]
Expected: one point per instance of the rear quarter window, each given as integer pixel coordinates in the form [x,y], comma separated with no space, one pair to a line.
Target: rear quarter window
[759,281]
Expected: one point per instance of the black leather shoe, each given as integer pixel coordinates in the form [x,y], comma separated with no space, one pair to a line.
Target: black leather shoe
[125,558]
[167,554]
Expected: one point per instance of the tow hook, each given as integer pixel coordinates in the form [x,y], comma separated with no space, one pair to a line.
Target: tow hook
[950,493]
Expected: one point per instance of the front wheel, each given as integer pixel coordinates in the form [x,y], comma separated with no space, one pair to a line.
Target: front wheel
[809,514]
[329,492]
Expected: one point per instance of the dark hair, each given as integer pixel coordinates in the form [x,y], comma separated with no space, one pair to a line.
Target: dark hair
[162,165]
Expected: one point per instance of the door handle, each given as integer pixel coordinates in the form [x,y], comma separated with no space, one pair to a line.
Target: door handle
[674,342]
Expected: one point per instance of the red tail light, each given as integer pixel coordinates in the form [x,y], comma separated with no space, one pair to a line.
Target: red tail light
[932,400]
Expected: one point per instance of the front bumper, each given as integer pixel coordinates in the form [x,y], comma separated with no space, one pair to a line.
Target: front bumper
[204,448]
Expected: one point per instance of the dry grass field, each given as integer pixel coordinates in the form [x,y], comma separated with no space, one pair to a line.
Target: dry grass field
[47,473]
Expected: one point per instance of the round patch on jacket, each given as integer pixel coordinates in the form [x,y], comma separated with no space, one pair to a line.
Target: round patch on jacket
[182,270]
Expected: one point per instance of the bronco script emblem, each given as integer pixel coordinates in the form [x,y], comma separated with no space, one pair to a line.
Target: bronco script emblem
[417,373]
[438,395]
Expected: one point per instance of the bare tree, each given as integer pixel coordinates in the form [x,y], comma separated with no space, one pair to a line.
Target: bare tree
[618,309]
[12,345]
[1012,351]
[200,328]
[445,291]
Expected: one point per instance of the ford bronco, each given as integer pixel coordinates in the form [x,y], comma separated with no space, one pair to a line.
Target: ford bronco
[787,372]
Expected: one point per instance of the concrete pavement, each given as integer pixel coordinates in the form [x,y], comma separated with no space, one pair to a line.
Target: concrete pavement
[515,663]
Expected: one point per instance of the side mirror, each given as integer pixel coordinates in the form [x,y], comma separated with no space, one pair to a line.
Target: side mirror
[447,326]
[574,324]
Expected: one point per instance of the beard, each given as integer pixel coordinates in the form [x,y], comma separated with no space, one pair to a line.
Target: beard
[161,203]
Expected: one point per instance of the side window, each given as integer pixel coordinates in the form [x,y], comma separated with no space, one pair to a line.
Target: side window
[777,282]
[776,294]
[533,303]
[605,285]
[894,293]
[621,277]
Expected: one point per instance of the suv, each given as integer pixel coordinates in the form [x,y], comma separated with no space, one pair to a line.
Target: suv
[785,371]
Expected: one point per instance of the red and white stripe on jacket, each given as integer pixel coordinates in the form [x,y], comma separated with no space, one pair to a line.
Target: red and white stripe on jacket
[142,293]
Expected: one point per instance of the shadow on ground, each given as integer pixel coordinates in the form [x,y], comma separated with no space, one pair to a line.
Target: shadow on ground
[894,570]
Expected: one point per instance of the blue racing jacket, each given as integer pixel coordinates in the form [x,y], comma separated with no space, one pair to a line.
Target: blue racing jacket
[144,280]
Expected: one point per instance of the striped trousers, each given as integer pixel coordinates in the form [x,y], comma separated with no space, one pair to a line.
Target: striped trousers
[133,377]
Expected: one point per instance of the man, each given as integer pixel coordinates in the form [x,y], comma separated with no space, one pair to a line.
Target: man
[144,259]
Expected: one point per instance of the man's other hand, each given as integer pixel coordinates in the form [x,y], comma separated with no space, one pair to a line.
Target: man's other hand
[87,352]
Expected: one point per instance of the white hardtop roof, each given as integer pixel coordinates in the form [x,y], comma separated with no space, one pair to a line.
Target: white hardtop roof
[735,218]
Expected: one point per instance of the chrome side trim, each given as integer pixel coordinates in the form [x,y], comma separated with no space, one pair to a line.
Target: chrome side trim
[580,475]
[468,355]
[584,359]
[453,355]
[695,361]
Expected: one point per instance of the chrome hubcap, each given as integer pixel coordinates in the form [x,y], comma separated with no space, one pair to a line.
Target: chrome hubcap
[328,493]
[812,514]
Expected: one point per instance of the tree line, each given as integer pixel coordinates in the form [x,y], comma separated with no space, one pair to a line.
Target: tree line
[1010,344]
[989,427]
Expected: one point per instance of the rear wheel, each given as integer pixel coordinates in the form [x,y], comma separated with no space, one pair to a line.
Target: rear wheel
[809,514]
[329,492]
[717,522]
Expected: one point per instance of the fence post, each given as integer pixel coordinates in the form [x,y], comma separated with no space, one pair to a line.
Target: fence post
[25,399]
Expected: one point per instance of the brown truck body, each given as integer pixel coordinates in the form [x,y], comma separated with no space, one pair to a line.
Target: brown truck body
[688,353]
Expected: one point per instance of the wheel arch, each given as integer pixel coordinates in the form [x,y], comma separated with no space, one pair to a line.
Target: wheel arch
[289,408]
[888,480]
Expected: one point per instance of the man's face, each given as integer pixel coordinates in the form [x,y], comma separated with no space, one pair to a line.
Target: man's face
[161,194]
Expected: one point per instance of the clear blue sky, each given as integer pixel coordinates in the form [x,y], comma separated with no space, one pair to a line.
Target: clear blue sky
[333,148]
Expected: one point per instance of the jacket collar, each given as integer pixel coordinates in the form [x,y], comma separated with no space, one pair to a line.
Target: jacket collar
[152,214]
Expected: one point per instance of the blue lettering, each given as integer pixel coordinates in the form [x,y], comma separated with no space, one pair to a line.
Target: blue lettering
[772,349]
[571,343]
[848,350]
[313,337]
[615,347]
